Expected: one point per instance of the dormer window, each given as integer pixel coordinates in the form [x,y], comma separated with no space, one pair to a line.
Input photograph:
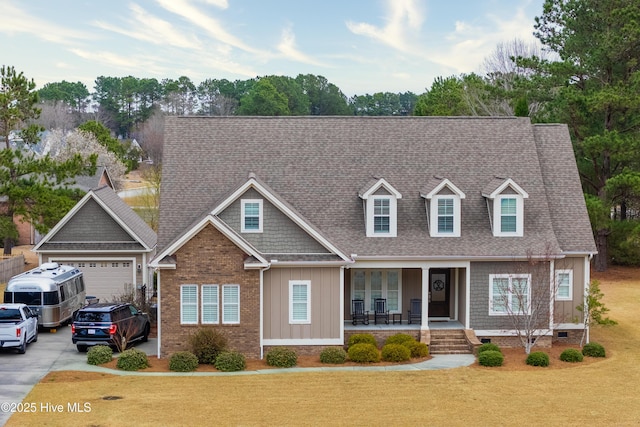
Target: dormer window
[251,215]
[443,207]
[505,201]
[380,209]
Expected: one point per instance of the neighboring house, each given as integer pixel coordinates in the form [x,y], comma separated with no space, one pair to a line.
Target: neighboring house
[107,240]
[271,226]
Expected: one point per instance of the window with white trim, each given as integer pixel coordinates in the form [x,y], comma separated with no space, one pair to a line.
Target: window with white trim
[445,216]
[508,215]
[251,215]
[368,285]
[209,301]
[189,304]
[381,216]
[509,294]
[231,304]
[300,301]
[564,285]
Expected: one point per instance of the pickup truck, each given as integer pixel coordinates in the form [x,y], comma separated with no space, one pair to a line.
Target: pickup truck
[18,326]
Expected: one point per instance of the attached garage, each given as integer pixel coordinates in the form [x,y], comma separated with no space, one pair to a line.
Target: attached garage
[106,278]
[107,240]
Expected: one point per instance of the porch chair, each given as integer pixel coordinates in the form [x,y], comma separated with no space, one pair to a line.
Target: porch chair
[381,312]
[415,311]
[358,313]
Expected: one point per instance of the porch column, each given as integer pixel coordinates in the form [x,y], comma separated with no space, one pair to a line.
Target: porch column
[425,298]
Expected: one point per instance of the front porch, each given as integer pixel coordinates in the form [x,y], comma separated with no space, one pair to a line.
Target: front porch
[401,327]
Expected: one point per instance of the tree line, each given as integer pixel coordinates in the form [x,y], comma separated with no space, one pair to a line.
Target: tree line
[584,72]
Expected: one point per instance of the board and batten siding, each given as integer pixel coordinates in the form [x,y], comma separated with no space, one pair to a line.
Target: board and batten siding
[565,311]
[325,304]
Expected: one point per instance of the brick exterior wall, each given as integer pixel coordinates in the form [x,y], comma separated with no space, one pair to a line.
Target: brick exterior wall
[210,258]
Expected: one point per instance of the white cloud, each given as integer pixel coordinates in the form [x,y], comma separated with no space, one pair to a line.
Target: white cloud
[403,16]
[148,28]
[210,25]
[16,20]
[287,47]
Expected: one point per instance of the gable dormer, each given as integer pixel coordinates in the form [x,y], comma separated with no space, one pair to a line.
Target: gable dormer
[505,203]
[381,208]
[443,200]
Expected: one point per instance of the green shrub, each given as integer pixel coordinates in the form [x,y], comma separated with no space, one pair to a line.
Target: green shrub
[399,339]
[395,353]
[132,360]
[571,355]
[417,349]
[282,357]
[593,349]
[538,358]
[490,358]
[362,338]
[183,361]
[488,346]
[206,343]
[333,355]
[230,361]
[364,353]
[99,354]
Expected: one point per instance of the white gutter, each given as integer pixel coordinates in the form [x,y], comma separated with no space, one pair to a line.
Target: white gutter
[159,314]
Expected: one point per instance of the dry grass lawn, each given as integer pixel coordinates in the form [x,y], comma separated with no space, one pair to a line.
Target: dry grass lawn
[602,392]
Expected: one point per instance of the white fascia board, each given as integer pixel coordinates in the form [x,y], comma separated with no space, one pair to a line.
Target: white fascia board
[507,183]
[381,183]
[120,222]
[252,183]
[220,226]
[444,183]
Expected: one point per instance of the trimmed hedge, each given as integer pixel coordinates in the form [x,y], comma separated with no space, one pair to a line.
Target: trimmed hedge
[571,355]
[282,357]
[417,349]
[490,358]
[230,361]
[333,355]
[399,339]
[132,360]
[207,343]
[395,353]
[364,353]
[593,349]
[183,361]
[362,338]
[99,354]
[488,346]
[538,358]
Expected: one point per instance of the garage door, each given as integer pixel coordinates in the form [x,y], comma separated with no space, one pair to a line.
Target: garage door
[106,280]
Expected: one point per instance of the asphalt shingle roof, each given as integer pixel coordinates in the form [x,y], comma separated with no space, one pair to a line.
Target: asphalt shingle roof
[319,164]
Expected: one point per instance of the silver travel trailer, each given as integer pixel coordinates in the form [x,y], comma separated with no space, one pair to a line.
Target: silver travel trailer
[55,292]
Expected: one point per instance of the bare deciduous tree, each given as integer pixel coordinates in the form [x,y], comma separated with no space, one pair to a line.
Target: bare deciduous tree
[151,137]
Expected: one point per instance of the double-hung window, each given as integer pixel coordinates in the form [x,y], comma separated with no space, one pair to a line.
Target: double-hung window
[299,301]
[189,304]
[251,215]
[210,309]
[508,215]
[564,285]
[381,215]
[445,215]
[231,304]
[509,294]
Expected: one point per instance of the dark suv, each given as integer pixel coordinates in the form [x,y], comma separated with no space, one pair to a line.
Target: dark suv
[114,324]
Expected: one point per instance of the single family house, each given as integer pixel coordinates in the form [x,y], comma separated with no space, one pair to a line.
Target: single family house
[300,231]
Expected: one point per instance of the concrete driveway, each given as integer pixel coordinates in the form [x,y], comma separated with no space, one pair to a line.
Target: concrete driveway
[53,352]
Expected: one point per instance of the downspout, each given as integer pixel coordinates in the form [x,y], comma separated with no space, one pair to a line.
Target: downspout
[552,294]
[159,313]
[262,270]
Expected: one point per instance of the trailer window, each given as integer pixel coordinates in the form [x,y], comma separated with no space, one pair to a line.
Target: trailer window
[8,296]
[51,298]
[29,298]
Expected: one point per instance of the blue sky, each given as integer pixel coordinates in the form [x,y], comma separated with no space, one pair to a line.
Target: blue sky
[362,46]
